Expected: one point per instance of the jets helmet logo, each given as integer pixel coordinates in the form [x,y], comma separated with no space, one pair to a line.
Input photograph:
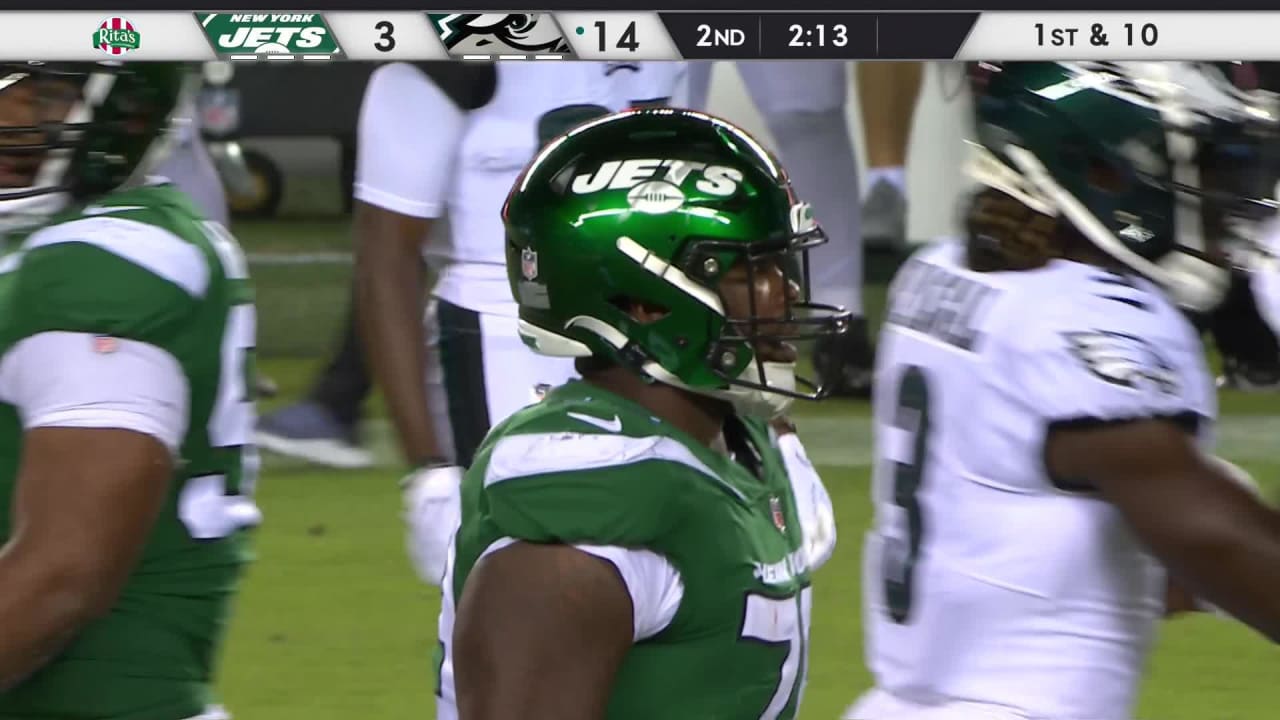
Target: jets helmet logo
[673,175]
[500,33]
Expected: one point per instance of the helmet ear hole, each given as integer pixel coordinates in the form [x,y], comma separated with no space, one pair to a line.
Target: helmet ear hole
[642,311]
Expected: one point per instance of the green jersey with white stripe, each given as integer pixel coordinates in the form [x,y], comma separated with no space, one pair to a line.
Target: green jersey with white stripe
[142,265]
[587,467]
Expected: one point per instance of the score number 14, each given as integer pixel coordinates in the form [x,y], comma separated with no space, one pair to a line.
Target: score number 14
[626,41]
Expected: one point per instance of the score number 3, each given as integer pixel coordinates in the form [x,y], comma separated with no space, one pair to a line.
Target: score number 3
[386,40]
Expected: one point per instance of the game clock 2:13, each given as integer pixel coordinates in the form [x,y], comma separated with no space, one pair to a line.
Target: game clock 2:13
[818,35]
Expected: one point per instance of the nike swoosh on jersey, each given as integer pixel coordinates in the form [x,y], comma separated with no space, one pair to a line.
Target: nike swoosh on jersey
[104,209]
[614,425]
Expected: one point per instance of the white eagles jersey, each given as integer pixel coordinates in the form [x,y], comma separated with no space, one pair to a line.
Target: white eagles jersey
[499,140]
[986,580]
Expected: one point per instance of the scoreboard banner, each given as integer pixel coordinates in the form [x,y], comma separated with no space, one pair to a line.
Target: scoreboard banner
[620,36]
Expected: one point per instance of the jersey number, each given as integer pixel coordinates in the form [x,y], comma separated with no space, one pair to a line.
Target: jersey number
[782,622]
[214,506]
[911,416]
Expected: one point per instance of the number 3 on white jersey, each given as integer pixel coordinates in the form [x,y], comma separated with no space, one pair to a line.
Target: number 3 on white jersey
[206,507]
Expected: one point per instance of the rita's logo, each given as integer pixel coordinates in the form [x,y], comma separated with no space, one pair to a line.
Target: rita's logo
[116,36]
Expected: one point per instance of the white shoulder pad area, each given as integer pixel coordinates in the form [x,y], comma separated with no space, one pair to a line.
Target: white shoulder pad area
[148,246]
[1105,353]
[407,140]
[516,456]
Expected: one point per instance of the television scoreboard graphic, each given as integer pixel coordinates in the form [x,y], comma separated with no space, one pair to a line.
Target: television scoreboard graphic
[618,36]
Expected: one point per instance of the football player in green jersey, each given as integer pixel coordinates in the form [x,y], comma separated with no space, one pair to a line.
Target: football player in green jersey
[632,546]
[126,337]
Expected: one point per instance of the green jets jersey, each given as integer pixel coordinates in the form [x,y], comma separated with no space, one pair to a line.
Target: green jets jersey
[142,265]
[587,467]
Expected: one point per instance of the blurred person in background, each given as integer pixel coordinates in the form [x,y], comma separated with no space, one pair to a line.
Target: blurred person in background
[887,96]
[324,427]
[803,105]
[127,469]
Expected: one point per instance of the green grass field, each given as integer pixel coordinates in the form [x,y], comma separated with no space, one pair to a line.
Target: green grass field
[332,623]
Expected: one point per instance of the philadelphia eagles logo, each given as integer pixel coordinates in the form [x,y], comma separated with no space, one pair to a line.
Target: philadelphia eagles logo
[1124,360]
[500,33]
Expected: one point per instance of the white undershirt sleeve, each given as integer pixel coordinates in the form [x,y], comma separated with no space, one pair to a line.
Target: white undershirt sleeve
[407,139]
[68,379]
[653,583]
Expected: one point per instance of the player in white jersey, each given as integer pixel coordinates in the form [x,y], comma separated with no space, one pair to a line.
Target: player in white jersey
[1044,413]
[407,177]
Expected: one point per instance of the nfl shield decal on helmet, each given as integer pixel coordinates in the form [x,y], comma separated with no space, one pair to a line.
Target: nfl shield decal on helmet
[529,264]
[775,509]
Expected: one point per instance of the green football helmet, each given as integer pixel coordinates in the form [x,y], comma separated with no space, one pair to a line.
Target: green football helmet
[73,131]
[1154,163]
[654,206]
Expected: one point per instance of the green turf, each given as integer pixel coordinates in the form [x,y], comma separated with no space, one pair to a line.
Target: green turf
[332,624]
